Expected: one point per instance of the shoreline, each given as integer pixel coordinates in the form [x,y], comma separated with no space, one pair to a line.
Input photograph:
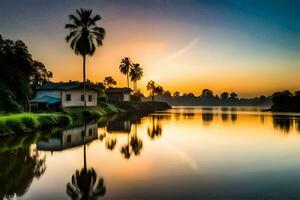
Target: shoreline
[27,123]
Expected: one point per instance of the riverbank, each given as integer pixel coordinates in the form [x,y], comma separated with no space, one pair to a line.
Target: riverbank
[24,123]
[29,122]
[285,108]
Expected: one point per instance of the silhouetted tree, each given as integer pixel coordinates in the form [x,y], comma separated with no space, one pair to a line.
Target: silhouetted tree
[109,82]
[233,96]
[125,67]
[176,94]
[84,36]
[224,96]
[19,74]
[136,73]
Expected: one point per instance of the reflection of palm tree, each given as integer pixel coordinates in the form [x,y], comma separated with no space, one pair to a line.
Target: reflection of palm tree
[135,142]
[134,145]
[111,143]
[84,184]
[155,130]
[125,149]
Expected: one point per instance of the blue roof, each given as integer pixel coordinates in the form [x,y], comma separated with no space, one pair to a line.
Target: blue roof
[65,86]
[46,99]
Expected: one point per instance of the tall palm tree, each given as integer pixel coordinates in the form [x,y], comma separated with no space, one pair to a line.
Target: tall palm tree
[136,73]
[125,67]
[84,36]
[151,87]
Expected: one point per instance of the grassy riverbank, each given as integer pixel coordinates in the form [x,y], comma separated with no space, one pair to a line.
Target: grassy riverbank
[29,122]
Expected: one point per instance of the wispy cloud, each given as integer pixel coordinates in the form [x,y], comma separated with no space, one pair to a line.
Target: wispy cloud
[183,50]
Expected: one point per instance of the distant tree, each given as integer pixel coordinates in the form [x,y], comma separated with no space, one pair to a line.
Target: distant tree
[167,93]
[109,82]
[176,94]
[207,93]
[150,88]
[282,98]
[233,96]
[158,90]
[40,75]
[224,96]
[84,35]
[154,89]
[125,67]
[136,73]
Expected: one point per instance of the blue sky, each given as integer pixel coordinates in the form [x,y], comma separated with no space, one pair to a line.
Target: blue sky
[241,40]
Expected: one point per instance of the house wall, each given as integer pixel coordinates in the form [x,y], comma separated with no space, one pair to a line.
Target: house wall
[126,97]
[118,97]
[76,98]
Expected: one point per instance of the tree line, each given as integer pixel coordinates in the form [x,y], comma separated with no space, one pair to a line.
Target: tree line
[20,74]
[208,98]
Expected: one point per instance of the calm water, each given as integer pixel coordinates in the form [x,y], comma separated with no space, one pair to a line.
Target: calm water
[183,153]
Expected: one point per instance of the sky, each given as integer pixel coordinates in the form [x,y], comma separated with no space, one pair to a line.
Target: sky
[251,47]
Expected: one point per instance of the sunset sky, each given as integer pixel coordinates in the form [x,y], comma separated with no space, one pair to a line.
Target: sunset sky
[251,47]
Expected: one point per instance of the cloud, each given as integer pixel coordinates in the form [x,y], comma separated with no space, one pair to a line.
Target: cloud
[183,50]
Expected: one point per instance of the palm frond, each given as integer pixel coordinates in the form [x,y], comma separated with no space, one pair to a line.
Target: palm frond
[75,20]
[71,26]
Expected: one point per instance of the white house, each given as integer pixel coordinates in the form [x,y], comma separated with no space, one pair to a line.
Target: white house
[57,95]
[118,94]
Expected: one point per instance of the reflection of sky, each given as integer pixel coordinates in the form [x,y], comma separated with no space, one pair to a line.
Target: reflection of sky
[190,159]
[173,40]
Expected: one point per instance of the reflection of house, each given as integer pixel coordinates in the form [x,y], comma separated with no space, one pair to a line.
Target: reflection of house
[118,126]
[56,95]
[70,138]
[118,94]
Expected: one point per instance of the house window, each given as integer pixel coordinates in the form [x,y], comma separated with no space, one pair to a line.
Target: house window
[90,132]
[68,97]
[69,138]
[90,97]
[82,97]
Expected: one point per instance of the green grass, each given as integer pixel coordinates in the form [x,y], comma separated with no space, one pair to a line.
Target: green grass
[81,115]
[29,122]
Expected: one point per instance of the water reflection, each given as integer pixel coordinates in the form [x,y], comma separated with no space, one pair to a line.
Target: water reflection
[233,114]
[154,130]
[85,183]
[224,114]
[207,118]
[283,123]
[69,138]
[179,154]
[19,166]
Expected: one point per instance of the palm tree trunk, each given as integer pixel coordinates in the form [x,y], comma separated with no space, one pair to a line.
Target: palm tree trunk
[127,80]
[84,149]
[84,99]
